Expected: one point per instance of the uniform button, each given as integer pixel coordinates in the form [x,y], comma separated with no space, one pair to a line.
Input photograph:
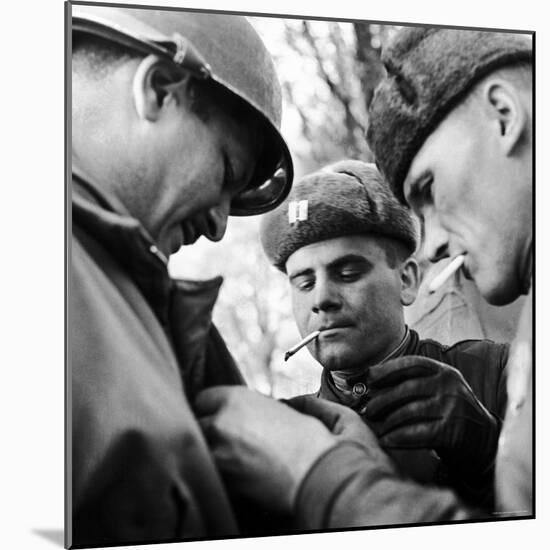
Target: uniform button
[359,389]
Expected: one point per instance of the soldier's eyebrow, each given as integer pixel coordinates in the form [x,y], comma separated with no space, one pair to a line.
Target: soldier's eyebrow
[300,273]
[333,265]
[348,259]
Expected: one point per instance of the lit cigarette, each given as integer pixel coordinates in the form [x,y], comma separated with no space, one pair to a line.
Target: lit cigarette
[301,344]
[438,280]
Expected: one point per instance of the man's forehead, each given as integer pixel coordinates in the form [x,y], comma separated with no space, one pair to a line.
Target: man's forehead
[326,252]
[423,164]
[439,146]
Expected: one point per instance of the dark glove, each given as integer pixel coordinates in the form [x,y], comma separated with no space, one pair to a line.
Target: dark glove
[416,402]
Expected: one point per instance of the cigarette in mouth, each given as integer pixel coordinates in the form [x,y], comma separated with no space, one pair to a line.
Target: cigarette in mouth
[438,280]
[301,344]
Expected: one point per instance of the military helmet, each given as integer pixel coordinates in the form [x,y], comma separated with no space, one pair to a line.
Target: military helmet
[221,47]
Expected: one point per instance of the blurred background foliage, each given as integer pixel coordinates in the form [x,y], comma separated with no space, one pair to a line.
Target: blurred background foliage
[328,72]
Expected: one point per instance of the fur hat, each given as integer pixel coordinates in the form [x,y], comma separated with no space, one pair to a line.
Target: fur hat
[429,71]
[346,198]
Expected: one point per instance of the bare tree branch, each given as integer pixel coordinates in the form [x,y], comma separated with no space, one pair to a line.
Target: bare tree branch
[370,67]
[338,92]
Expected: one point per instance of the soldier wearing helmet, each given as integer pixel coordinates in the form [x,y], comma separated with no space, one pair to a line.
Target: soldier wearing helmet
[175,125]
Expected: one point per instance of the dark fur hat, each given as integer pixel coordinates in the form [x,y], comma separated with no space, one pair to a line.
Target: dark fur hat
[346,198]
[429,71]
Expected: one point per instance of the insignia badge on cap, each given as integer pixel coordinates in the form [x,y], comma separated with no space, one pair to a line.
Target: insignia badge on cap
[297,211]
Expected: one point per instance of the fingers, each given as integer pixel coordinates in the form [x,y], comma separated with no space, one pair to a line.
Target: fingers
[384,401]
[313,406]
[416,413]
[413,436]
[399,383]
[210,400]
[300,402]
[341,421]
[416,425]
[207,426]
[224,451]
[395,371]
[327,412]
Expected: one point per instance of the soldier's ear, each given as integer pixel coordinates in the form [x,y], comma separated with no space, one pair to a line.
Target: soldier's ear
[155,85]
[506,110]
[410,281]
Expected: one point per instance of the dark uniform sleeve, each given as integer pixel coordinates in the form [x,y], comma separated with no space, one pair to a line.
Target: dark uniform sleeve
[483,365]
[481,362]
[346,489]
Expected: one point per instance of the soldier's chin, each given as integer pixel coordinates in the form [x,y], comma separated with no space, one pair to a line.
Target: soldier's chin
[502,296]
[337,359]
[497,290]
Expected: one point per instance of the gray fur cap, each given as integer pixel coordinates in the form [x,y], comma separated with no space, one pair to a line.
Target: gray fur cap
[429,71]
[346,198]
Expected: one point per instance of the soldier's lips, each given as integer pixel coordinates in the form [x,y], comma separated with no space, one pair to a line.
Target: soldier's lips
[333,331]
[466,270]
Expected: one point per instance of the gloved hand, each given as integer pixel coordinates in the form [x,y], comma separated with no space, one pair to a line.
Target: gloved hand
[262,447]
[416,402]
[343,422]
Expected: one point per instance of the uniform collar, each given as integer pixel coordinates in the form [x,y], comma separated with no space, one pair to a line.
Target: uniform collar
[352,389]
[345,380]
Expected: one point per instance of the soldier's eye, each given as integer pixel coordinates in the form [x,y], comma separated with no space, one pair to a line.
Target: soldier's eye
[303,284]
[228,174]
[349,275]
[425,191]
